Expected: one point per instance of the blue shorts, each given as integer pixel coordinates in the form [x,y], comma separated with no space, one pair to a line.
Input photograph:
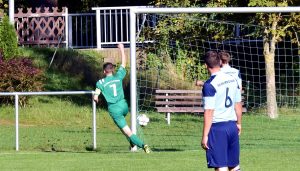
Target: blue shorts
[224,146]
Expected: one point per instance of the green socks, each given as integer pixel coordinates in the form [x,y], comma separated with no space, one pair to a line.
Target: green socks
[131,144]
[135,140]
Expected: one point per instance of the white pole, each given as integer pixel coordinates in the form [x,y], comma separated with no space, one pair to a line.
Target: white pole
[168,114]
[67,27]
[133,98]
[98,25]
[11,6]
[45,93]
[17,120]
[94,125]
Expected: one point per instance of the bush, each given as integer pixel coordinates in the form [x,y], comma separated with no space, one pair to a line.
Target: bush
[8,39]
[19,75]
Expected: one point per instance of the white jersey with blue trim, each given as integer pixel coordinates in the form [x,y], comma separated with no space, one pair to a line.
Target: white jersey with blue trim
[234,72]
[220,93]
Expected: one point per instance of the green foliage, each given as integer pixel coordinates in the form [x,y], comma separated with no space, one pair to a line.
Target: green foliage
[172,34]
[71,70]
[8,39]
[177,3]
[170,29]
[275,26]
[189,66]
[74,66]
[19,75]
[3,6]
[153,61]
[269,3]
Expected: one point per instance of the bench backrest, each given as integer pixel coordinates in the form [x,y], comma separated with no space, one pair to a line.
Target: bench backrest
[180,101]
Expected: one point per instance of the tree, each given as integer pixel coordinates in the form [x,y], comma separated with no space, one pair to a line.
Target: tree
[8,39]
[276,27]
[3,7]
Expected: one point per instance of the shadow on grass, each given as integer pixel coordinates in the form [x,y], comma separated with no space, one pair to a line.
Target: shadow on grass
[166,149]
[70,71]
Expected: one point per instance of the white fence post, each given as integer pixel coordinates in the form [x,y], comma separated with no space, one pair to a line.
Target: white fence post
[17,120]
[168,117]
[70,31]
[98,27]
[11,6]
[94,125]
[67,27]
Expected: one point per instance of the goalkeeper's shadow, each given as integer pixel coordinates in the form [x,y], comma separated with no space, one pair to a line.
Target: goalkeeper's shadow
[166,149]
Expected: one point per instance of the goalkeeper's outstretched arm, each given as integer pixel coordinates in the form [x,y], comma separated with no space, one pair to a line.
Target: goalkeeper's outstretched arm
[123,56]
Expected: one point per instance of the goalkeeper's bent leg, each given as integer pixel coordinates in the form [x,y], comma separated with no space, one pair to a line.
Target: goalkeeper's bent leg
[132,137]
[131,144]
[135,140]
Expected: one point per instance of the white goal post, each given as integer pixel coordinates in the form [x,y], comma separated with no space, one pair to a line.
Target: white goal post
[138,10]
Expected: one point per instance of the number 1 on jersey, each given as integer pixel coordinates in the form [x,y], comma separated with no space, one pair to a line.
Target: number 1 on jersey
[114,87]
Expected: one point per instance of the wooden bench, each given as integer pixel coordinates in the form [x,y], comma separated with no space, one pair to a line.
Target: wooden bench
[179,101]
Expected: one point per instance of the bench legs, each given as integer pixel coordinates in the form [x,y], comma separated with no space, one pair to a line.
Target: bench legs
[168,118]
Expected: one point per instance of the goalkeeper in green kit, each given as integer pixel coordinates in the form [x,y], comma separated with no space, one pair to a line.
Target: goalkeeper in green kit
[112,89]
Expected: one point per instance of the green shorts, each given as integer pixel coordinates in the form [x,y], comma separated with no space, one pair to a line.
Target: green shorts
[118,112]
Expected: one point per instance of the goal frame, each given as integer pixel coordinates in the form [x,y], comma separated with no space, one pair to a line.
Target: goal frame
[204,10]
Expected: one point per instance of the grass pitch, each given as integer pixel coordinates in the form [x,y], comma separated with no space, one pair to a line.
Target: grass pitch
[260,159]
[60,138]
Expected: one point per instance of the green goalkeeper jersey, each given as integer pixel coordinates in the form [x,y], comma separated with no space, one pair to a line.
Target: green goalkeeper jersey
[112,86]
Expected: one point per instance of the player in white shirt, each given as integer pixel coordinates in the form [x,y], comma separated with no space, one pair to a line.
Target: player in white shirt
[222,117]
[226,68]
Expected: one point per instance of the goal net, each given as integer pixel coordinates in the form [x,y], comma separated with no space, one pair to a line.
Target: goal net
[169,50]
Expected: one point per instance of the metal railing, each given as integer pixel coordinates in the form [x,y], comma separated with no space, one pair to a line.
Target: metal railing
[82,30]
[104,28]
[112,25]
[17,94]
[109,27]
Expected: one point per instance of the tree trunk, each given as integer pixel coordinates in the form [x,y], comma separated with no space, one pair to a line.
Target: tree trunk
[271,87]
[269,54]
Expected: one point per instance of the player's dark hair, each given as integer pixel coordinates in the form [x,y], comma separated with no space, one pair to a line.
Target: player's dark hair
[108,67]
[212,59]
[224,56]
